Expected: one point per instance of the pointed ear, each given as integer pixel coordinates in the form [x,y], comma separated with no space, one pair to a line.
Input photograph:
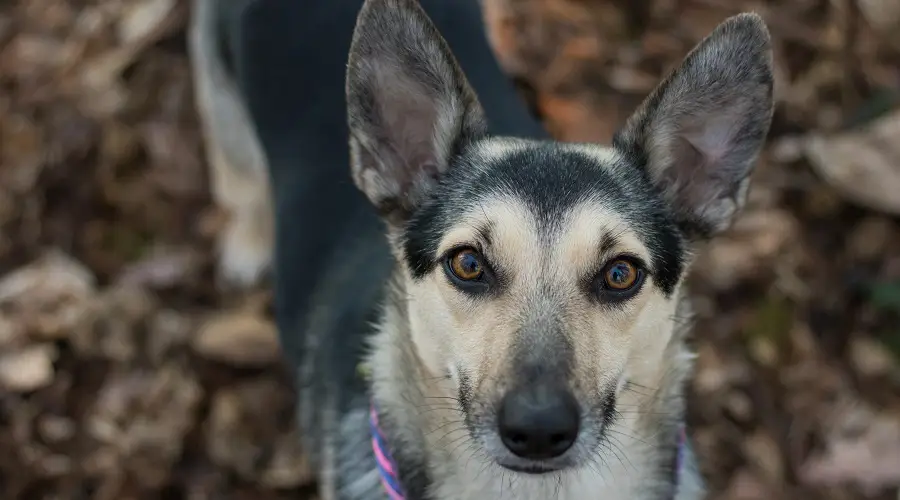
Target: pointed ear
[410,108]
[700,132]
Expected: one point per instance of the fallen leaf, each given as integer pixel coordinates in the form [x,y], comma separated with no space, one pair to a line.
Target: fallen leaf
[163,268]
[142,18]
[27,369]
[49,297]
[240,339]
[869,459]
[863,165]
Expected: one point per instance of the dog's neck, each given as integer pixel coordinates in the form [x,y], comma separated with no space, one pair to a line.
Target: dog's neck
[436,459]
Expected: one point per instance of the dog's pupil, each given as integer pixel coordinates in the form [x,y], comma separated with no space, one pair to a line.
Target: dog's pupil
[619,273]
[469,264]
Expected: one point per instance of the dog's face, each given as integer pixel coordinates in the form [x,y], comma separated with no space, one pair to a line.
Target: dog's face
[541,277]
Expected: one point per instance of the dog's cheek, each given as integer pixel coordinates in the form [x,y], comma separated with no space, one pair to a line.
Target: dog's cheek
[650,333]
[606,338]
[601,349]
[431,325]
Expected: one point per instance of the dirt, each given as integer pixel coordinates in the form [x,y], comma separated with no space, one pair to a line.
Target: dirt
[126,371]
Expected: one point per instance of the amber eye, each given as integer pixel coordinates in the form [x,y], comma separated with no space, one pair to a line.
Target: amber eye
[466,265]
[620,275]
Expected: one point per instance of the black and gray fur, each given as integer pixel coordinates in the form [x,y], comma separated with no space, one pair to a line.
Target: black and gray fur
[431,127]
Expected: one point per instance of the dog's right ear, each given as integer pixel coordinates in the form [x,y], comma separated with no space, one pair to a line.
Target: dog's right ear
[410,108]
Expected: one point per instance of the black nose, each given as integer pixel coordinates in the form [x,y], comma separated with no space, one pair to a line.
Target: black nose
[539,421]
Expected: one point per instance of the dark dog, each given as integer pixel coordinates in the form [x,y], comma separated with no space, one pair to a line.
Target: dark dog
[520,325]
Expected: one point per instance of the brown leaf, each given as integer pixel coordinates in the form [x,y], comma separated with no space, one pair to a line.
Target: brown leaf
[863,165]
[27,369]
[240,339]
[48,297]
[870,459]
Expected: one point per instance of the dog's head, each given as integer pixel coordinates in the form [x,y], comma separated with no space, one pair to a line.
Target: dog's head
[541,276]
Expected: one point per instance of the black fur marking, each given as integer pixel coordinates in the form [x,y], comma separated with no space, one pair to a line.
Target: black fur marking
[550,179]
[464,394]
[607,244]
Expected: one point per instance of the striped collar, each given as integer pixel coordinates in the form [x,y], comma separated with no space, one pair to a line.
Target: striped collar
[388,468]
[386,465]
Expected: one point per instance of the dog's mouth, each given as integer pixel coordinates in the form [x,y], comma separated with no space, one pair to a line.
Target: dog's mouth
[534,469]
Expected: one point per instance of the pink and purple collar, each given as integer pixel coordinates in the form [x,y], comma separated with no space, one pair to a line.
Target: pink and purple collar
[388,468]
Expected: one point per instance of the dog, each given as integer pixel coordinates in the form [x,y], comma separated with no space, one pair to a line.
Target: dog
[473,310]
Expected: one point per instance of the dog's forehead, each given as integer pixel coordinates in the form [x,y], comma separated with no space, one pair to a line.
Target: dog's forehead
[504,219]
[568,199]
[549,178]
[550,187]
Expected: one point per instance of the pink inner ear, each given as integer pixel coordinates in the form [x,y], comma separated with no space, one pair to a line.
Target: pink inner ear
[698,173]
[409,117]
[714,137]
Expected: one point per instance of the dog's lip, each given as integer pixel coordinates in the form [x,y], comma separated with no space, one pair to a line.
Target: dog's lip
[534,469]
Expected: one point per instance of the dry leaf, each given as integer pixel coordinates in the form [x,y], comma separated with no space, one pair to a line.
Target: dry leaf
[241,339]
[50,297]
[870,459]
[27,369]
[863,165]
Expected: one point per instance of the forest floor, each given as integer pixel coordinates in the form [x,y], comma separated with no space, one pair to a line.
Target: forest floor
[127,373]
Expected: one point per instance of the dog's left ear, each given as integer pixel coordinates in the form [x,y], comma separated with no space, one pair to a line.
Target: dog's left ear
[700,132]
[410,108]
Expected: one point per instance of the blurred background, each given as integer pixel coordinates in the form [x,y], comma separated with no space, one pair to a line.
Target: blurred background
[126,372]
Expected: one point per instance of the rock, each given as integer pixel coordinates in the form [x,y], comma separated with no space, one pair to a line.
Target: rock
[27,369]
[50,297]
[238,338]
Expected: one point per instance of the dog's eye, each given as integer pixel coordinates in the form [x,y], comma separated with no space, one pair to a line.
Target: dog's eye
[621,279]
[466,265]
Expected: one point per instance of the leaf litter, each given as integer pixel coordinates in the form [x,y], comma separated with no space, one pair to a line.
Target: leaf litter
[125,372]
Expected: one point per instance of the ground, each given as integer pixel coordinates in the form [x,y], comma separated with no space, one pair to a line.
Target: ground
[126,371]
